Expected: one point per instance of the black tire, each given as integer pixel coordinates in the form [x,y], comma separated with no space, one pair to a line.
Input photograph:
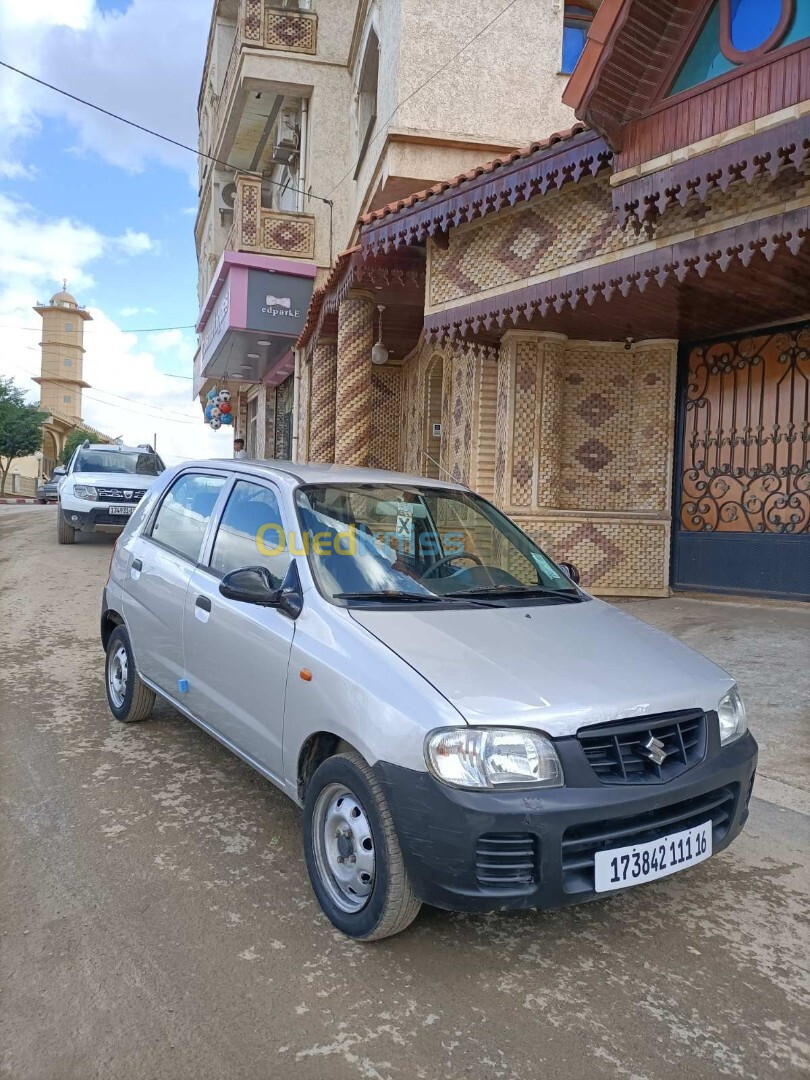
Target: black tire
[392,905]
[136,700]
[65,533]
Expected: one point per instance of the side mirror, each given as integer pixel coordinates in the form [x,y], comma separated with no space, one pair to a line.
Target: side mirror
[570,570]
[60,470]
[251,585]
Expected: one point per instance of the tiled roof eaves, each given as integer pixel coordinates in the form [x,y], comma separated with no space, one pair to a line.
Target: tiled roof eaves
[327,297]
[492,187]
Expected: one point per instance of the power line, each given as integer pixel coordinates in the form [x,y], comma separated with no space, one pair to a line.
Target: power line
[169,415]
[421,86]
[157,134]
[90,330]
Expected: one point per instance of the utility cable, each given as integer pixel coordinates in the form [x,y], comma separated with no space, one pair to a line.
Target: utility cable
[156,134]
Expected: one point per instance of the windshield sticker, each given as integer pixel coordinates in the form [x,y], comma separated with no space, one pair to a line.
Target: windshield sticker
[404,529]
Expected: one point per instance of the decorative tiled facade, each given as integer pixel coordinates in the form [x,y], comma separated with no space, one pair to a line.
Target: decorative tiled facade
[579,224]
[354,396]
[615,557]
[322,398]
[304,395]
[572,438]
[385,417]
[270,232]
[616,436]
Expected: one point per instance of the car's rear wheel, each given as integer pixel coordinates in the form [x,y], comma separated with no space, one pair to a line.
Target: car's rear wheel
[352,851]
[65,534]
[129,698]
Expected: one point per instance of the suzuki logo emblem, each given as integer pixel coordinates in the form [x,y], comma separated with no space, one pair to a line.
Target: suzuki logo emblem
[655,750]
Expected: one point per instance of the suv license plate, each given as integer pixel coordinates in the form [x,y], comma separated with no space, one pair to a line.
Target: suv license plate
[620,867]
[125,511]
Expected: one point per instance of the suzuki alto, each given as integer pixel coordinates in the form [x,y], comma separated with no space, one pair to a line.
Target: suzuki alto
[462,724]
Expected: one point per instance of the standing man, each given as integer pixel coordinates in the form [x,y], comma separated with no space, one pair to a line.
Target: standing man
[239,449]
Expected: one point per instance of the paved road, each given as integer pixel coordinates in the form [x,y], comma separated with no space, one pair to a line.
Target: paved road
[157,921]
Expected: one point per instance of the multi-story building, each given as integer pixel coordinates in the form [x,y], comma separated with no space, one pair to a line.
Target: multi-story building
[607,332]
[312,113]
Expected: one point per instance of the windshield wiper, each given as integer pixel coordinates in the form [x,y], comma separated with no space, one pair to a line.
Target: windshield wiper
[416,598]
[509,591]
[391,594]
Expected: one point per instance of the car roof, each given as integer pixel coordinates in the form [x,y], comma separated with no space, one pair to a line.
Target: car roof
[294,473]
[118,448]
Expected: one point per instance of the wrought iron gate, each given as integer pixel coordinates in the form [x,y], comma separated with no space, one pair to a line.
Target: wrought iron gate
[742,499]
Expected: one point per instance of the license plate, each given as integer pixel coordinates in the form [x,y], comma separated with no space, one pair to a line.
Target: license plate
[620,867]
[125,511]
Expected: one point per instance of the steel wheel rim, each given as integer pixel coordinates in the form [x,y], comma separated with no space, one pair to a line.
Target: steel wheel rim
[343,845]
[118,676]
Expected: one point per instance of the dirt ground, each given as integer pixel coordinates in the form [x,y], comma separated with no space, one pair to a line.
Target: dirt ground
[157,921]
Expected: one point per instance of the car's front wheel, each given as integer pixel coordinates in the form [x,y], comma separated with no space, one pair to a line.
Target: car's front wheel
[352,851]
[65,533]
[129,698]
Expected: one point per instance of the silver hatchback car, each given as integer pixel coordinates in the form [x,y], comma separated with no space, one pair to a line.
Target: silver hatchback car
[462,724]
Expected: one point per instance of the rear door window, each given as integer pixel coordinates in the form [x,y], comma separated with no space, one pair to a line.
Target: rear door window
[184,514]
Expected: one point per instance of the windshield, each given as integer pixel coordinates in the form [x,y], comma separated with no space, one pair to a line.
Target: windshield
[118,461]
[366,542]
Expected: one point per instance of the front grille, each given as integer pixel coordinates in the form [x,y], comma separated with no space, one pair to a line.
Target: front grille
[122,495]
[581,842]
[618,754]
[506,860]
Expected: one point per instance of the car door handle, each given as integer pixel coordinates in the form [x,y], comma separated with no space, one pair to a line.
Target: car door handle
[202,609]
[135,569]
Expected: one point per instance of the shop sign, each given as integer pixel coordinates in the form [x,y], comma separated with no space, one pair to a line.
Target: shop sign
[277,303]
[218,323]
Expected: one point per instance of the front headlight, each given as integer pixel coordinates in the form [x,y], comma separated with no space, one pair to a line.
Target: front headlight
[493,758]
[82,491]
[731,712]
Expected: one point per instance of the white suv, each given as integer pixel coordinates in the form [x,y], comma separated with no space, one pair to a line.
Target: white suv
[101,487]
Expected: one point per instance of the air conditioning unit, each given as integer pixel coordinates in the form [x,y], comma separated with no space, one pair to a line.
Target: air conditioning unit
[227,198]
[287,130]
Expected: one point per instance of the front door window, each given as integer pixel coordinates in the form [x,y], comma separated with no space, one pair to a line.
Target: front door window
[251,533]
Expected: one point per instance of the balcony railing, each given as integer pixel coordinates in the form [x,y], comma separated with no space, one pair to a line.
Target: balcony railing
[261,25]
[265,231]
[264,25]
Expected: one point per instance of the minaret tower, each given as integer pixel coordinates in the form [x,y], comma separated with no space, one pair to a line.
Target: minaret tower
[62,355]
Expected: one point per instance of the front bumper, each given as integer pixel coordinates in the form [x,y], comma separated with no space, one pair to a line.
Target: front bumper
[455,842]
[99,517]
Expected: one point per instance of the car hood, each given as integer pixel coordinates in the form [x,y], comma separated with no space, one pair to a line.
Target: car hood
[553,667]
[128,481]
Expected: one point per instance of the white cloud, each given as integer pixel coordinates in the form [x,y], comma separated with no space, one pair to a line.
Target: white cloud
[15,170]
[128,312]
[135,243]
[144,63]
[36,249]
[129,396]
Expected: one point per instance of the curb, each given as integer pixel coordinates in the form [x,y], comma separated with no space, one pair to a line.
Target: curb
[15,501]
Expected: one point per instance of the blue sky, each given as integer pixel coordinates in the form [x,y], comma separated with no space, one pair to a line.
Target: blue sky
[111,209]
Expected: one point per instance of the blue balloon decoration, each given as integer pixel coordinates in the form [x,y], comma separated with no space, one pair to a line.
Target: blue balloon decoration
[226,418]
